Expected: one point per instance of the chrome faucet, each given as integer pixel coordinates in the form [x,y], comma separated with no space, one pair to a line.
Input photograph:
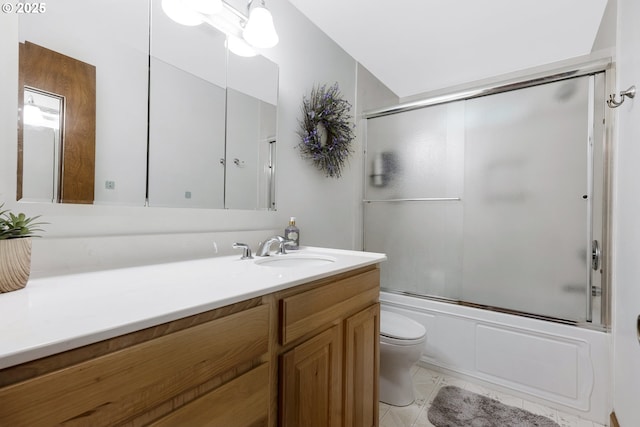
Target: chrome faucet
[265,247]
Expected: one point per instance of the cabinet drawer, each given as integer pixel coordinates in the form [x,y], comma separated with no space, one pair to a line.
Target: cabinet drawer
[117,386]
[243,402]
[307,311]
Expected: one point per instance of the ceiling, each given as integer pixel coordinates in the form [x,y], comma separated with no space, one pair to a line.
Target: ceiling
[416,46]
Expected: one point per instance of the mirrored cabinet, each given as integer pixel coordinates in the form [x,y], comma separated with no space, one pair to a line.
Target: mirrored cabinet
[172,118]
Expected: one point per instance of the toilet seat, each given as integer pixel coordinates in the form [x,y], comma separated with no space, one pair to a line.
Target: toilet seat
[400,342]
[400,330]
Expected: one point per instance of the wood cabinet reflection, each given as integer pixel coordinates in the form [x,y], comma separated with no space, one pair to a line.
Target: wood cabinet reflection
[74,82]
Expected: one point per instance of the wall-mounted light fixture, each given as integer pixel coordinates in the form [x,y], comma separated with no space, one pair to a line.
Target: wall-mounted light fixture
[244,31]
[259,30]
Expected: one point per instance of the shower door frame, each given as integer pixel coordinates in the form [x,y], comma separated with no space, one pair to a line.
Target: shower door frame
[604,65]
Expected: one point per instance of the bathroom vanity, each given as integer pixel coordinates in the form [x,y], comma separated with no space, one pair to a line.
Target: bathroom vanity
[218,342]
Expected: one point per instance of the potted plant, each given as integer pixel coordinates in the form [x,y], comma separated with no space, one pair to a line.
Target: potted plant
[15,248]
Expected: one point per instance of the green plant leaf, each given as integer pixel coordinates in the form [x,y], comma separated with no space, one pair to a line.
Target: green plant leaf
[18,226]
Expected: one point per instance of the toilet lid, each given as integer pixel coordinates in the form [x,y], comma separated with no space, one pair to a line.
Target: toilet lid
[401,327]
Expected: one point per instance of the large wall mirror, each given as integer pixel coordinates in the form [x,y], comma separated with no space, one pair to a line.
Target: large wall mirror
[174,119]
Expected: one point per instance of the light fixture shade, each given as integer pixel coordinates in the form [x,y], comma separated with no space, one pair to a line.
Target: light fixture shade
[240,47]
[208,7]
[259,30]
[180,12]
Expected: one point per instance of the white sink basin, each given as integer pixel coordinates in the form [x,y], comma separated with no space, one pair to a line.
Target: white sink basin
[295,260]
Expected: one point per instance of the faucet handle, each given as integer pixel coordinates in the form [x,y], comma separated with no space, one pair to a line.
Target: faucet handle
[282,244]
[246,250]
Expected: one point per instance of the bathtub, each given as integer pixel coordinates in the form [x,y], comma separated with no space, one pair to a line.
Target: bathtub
[562,366]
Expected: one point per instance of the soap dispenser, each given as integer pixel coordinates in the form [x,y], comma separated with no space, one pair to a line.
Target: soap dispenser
[292,233]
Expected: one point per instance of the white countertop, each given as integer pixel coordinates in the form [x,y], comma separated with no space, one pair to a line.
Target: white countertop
[55,314]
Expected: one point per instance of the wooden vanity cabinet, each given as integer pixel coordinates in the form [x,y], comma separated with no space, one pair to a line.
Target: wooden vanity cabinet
[329,352]
[211,369]
[303,357]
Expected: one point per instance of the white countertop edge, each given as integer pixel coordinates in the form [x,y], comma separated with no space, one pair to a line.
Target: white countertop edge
[16,353]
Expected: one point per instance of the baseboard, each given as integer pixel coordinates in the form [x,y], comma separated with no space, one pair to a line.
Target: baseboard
[614,420]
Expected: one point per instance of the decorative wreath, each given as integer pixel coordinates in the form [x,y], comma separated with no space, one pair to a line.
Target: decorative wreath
[326,130]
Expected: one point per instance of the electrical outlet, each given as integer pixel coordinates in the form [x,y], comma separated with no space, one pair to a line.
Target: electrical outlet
[187,194]
[110,185]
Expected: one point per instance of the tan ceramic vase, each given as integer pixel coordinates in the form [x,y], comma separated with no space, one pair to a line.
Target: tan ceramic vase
[15,263]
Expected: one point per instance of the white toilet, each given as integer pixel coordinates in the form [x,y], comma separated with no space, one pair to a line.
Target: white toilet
[401,343]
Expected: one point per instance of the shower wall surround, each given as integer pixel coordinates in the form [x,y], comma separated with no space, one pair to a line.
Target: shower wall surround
[493,202]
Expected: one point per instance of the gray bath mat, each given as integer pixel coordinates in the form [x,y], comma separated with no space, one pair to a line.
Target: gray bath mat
[455,407]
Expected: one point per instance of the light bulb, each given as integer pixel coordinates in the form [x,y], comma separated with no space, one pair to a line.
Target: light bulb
[259,30]
[240,47]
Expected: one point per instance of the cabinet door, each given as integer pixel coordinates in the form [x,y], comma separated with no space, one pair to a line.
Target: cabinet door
[311,382]
[361,368]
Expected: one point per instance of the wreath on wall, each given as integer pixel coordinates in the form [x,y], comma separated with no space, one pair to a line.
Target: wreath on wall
[326,130]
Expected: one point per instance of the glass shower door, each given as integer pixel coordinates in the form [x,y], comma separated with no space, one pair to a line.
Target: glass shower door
[413,210]
[527,199]
[491,200]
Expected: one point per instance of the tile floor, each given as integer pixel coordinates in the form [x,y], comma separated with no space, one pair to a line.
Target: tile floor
[427,383]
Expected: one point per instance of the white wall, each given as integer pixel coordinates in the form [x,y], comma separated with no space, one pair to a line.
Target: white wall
[606,36]
[626,357]
[325,207]
[8,106]
[372,93]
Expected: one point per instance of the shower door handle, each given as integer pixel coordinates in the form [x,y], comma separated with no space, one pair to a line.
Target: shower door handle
[595,255]
[592,291]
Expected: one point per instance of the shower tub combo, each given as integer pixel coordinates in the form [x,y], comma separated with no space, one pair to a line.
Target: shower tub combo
[492,207]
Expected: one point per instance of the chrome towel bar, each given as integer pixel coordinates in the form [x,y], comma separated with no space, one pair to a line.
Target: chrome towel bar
[423,199]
